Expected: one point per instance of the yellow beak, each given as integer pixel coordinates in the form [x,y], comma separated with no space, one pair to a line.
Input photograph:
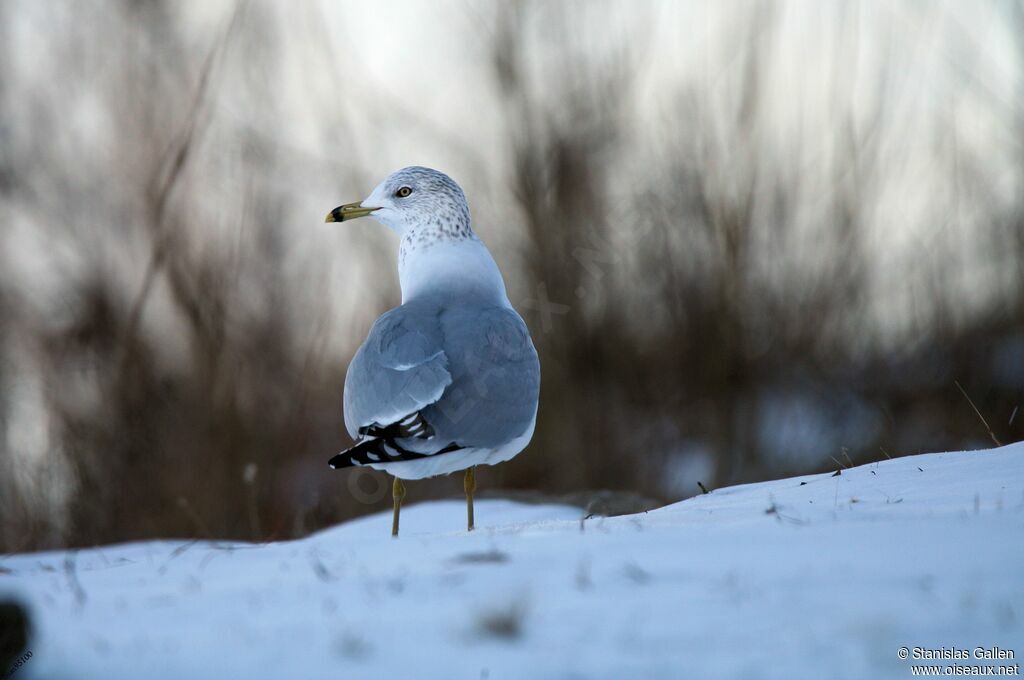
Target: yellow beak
[349,211]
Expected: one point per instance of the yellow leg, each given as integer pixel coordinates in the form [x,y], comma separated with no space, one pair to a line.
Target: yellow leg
[470,485]
[398,493]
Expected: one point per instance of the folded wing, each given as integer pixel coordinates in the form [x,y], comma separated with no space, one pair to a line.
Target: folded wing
[495,379]
[400,369]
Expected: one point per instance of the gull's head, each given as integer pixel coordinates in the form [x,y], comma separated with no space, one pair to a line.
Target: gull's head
[413,199]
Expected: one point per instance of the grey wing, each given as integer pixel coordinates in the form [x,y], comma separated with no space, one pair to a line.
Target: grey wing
[401,368]
[495,379]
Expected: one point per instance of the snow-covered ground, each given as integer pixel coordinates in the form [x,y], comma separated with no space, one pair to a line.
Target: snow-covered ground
[812,577]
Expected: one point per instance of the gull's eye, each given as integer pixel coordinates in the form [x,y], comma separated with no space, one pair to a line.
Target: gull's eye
[403,192]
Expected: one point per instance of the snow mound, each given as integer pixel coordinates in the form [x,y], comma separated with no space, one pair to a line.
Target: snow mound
[817,576]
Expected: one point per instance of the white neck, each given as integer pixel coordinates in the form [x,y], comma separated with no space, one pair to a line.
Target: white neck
[462,266]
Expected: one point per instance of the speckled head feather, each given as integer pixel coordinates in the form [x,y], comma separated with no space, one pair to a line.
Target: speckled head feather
[422,205]
[439,254]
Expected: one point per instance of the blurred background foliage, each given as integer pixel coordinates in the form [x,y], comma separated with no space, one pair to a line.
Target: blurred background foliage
[751,239]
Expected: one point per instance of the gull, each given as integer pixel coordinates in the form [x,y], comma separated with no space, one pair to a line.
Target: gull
[449,379]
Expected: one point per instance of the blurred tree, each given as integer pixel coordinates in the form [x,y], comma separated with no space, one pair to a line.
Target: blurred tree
[769,250]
